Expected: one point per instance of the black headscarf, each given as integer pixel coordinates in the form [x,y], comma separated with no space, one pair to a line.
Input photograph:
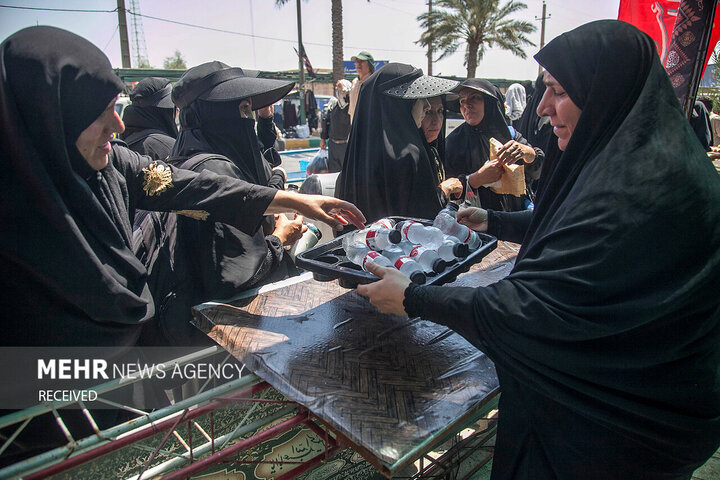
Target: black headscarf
[436,148]
[55,84]
[700,123]
[536,130]
[612,308]
[387,170]
[218,127]
[468,147]
[137,119]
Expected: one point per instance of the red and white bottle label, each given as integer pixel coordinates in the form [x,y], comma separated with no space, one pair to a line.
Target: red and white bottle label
[402,261]
[369,238]
[387,223]
[467,239]
[406,227]
[414,251]
[369,256]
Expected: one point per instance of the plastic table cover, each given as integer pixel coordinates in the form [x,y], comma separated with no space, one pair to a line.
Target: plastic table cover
[390,385]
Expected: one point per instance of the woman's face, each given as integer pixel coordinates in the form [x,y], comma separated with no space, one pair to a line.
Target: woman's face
[563,112]
[94,142]
[433,120]
[472,106]
[245,108]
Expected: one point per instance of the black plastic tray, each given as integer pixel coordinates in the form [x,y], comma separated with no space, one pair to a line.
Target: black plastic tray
[328,261]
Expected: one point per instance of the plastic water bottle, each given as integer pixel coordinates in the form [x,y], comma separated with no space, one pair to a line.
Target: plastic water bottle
[309,239]
[361,255]
[419,234]
[451,209]
[384,223]
[449,226]
[428,259]
[452,248]
[411,269]
[376,238]
[393,252]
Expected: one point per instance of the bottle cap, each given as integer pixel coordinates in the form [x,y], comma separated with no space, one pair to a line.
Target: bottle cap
[394,236]
[461,250]
[418,277]
[452,206]
[439,265]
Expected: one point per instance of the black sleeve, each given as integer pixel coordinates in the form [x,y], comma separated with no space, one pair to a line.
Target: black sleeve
[325,124]
[158,186]
[266,132]
[449,306]
[227,260]
[509,226]
[276,180]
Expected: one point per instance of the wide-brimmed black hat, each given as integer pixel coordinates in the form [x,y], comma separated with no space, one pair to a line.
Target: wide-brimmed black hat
[478,84]
[152,92]
[218,82]
[423,86]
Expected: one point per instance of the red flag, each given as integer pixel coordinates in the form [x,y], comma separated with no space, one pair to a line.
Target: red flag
[657,19]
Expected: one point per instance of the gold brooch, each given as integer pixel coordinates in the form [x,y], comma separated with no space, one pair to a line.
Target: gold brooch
[158,178]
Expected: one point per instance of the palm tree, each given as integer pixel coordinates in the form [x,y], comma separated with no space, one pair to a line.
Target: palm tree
[337,37]
[480,24]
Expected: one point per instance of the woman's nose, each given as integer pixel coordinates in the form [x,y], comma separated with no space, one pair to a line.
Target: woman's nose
[544,105]
[118,125]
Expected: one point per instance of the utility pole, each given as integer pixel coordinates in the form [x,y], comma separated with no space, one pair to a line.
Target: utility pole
[542,31]
[301,69]
[430,48]
[122,28]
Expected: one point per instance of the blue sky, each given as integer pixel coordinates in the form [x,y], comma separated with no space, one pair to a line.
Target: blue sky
[386,28]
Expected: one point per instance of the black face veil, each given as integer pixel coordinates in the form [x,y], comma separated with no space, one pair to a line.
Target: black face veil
[58,236]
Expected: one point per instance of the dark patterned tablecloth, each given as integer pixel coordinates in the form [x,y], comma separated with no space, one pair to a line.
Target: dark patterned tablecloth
[389,385]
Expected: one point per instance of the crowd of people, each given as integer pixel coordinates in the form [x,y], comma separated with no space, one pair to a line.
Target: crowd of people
[606,334]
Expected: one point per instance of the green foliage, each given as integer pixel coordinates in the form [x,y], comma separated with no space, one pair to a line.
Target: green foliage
[175,62]
[479,24]
[144,63]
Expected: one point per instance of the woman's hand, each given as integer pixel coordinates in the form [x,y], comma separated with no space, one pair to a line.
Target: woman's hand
[388,293]
[515,152]
[265,112]
[488,173]
[473,218]
[332,211]
[289,231]
[714,153]
[451,187]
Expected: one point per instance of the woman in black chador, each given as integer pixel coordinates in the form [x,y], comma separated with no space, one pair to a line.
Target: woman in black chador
[468,148]
[218,135]
[388,170]
[150,120]
[606,334]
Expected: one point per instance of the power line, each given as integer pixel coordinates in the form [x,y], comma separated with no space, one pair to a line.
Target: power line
[203,27]
[231,32]
[111,38]
[58,9]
